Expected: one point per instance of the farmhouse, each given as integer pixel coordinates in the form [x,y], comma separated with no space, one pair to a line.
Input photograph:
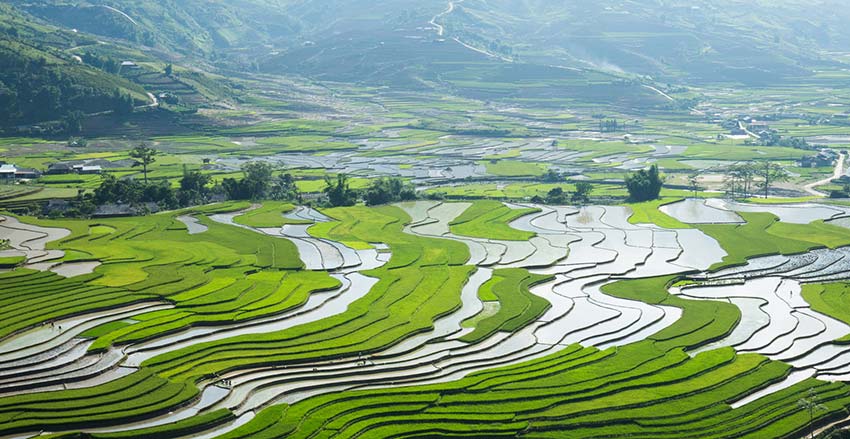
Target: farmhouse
[7,171]
[12,172]
[60,168]
[89,170]
[758,126]
[823,159]
[27,174]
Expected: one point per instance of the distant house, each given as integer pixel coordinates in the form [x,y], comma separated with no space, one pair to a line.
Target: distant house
[27,174]
[129,65]
[757,126]
[58,205]
[119,210]
[60,168]
[91,170]
[822,160]
[7,172]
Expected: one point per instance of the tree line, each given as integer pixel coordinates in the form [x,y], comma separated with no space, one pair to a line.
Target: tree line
[259,181]
[32,91]
[745,179]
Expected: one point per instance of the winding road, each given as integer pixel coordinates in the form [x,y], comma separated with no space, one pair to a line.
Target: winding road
[839,171]
[440,29]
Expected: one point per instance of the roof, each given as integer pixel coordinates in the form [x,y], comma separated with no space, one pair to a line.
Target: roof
[91,168]
[8,169]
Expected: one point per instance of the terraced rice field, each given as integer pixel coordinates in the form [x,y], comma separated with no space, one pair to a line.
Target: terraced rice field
[427,319]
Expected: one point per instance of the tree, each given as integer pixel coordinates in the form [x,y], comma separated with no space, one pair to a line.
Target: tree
[338,191]
[811,404]
[552,176]
[389,190]
[284,189]
[739,179]
[128,191]
[73,122]
[844,192]
[193,187]
[258,178]
[145,156]
[693,183]
[582,193]
[169,69]
[557,195]
[645,185]
[770,174]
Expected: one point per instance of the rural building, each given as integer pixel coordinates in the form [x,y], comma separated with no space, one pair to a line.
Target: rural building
[89,170]
[60,168]
[757,126]
[120,210]
[7,172]
[823,159]
[27,174]
[12,172]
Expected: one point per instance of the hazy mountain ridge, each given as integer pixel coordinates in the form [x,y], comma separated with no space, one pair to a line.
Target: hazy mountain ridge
[671,40]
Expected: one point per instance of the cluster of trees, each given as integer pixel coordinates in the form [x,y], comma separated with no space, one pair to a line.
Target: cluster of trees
[384,190]
[105,63]
[552,176]
[113,190]
[389,190]
[611,126]
[743,180]
[645,185]
[259,183]
[773,138]
[844,192]
[339,192]
[32,91]
[559,196]
[194,190]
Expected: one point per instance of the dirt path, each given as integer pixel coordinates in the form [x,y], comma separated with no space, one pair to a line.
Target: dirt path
[440,29]
[668,97]
[839,171]
[119,12]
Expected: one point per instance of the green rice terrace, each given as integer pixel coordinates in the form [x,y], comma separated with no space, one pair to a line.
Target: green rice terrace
[309,219]
[428,318]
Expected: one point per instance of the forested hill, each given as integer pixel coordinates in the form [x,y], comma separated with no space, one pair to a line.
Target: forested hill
[40,84]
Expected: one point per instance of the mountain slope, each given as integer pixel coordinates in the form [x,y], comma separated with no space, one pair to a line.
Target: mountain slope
[39,83]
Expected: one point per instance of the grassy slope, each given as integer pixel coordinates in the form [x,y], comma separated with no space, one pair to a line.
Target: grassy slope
[518,307]
[763,234]
[490,220]
[419,284]
[831,299]
[649,213]
[270,214]
[647,389]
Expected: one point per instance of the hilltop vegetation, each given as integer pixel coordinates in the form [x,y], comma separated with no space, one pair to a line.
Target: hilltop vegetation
[39,83]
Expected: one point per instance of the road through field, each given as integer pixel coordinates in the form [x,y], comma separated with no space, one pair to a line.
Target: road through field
[839,171]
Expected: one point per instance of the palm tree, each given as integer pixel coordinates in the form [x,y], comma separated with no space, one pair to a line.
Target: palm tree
[811,405]
[145,156]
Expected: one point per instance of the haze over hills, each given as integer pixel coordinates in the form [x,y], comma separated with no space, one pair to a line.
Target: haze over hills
[373,219]
[472,48]
[716,40]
